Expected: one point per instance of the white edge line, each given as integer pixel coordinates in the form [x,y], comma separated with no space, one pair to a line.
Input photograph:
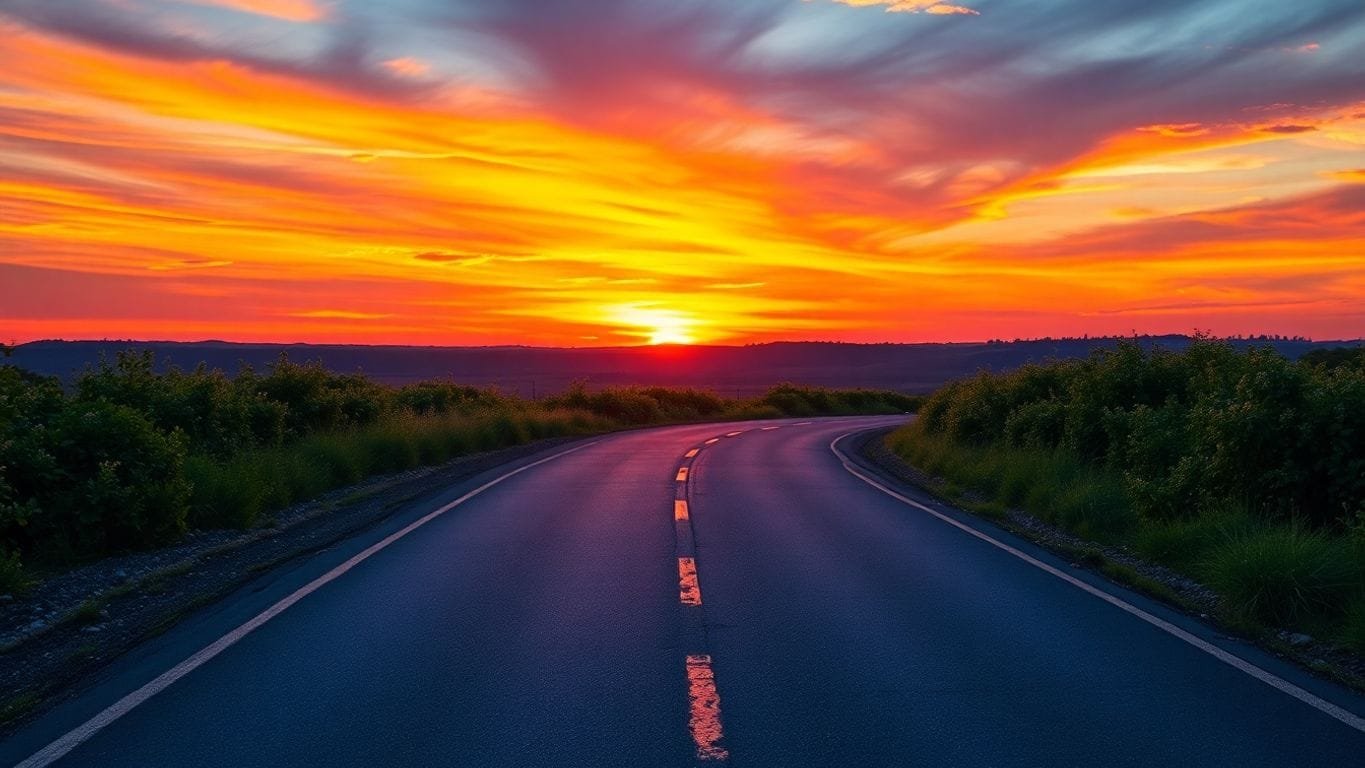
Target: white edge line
[1279,683]
[77,736]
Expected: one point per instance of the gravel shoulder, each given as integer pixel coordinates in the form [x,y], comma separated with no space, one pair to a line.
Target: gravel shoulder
[1120,565]
[58,635]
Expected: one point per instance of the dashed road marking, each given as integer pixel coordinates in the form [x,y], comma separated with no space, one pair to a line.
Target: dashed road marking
[689,589]
[768,429]
[704,706]
[691,453]
[1269,678]
[735,434]
[713,441]
[679,510]
[59,748]
[682,474]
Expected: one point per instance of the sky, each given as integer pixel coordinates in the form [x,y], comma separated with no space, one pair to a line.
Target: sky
[607,172]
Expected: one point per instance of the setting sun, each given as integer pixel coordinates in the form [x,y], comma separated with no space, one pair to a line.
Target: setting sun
[655,325]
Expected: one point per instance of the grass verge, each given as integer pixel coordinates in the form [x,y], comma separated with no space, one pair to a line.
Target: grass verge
[1269,575]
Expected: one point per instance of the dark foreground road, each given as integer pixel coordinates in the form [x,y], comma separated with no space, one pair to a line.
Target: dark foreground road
[768,609]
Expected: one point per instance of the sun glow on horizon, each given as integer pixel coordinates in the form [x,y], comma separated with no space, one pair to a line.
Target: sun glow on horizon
[656,325]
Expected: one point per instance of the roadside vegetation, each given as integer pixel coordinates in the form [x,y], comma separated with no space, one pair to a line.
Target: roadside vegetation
[128,458]
[1243,470]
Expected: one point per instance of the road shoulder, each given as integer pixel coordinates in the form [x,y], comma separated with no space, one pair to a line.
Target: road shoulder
[1122,571]
[59,638]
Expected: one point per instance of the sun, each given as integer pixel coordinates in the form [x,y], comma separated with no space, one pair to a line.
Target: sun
[665,335]
[656,325]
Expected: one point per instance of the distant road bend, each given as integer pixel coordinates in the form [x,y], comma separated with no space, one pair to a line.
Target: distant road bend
[742,593]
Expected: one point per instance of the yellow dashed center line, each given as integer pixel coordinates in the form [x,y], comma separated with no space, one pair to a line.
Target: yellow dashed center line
[713,441]
[691,453]
[704,706]
[689,590]
[769,429]
[735,434]
[679,510]
[682,474]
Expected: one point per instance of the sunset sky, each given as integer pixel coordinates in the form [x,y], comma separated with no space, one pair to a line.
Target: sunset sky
[600,172]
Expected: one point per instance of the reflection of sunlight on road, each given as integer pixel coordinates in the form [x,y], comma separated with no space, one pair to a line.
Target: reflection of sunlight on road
[705,709]
[689,589]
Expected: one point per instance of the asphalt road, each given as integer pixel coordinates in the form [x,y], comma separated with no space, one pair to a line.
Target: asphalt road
[770,608]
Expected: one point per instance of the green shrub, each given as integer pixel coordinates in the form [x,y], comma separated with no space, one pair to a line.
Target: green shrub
[120,483]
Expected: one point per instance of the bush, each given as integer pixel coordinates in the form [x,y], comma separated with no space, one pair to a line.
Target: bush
[107,481]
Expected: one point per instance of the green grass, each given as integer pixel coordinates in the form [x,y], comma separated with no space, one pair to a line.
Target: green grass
[1130,577]
[239,492]
[1051,485]
[1283,576]
[1187,545]
[87,612]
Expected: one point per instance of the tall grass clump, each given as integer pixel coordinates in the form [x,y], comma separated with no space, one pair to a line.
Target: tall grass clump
[1283,576]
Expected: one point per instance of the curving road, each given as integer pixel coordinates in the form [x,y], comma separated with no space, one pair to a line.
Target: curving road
[765,607]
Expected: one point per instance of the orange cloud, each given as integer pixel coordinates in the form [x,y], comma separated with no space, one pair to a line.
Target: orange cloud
[408,67]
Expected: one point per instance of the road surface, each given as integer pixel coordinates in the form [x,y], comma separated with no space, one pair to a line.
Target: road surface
[727,594]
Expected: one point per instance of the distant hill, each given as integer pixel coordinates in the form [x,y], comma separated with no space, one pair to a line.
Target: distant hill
[746,370]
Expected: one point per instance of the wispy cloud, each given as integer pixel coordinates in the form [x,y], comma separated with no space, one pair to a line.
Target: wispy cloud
[912,6]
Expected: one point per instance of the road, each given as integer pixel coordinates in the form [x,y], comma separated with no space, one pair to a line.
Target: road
[765,607]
